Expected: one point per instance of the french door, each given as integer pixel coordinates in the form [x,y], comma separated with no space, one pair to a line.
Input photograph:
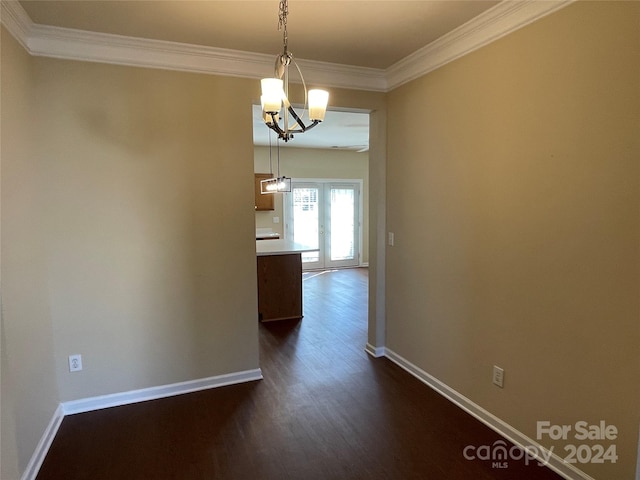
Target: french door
[325,215]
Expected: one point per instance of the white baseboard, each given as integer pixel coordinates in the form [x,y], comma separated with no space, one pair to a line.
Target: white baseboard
[152,393]
[375,352]
[555,463]
[42,448]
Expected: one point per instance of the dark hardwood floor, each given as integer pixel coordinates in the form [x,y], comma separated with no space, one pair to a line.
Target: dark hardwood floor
[325,410]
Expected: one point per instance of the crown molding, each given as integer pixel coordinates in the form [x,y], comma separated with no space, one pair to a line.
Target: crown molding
[491,25]
[65,43]
[121,50]
[342,76]
[87,46]
[16,21]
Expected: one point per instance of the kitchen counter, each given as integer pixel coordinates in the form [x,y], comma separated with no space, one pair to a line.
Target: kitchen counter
[280,247]
[279,265]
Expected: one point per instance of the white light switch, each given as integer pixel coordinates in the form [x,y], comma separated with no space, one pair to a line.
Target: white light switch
[276,219]
[498,376]
[391,239]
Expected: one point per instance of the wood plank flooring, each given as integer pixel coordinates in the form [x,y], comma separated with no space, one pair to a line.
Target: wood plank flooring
[325,410]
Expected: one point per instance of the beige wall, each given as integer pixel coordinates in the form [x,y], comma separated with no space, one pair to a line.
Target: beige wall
[140,226]
[29,388]
[315,163]
[9,467]
[514,202]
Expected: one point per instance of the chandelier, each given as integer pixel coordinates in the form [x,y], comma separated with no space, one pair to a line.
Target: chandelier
[275,92]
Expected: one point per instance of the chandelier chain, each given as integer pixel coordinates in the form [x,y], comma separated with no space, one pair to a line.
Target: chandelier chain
[282,22]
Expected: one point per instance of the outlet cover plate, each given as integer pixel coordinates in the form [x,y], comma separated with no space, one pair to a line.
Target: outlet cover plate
[75,363]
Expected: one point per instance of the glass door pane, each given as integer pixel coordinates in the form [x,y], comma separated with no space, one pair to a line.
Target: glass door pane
[306,221]
[342,228]
[342,218]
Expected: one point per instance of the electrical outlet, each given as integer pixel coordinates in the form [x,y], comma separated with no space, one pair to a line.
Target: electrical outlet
[498,376]
[391,239]
[276,219]
[75,363]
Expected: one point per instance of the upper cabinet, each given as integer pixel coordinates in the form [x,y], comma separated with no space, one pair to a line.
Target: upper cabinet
[263,202]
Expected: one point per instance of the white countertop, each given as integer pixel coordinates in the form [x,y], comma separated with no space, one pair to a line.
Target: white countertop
[280,247]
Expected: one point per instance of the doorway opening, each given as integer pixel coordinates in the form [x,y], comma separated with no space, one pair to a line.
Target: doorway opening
[336,151]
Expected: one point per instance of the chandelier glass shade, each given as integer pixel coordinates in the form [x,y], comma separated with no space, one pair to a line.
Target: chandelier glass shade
[277,111]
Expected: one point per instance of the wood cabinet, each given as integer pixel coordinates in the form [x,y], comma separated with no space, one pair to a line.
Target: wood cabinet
[263,202]
[279,287]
